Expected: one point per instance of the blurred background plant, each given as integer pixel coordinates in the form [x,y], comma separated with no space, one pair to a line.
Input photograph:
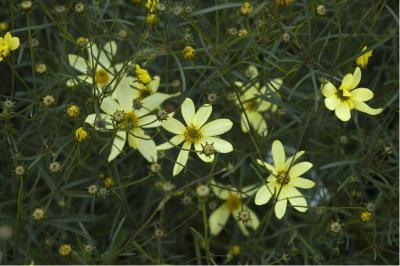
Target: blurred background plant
[63,203]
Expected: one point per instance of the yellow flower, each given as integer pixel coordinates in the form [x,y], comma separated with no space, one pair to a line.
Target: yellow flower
[38,214]
[284,180]
[109,182]
[7,44]
[348,97]
[129,122]
[65,250]
[254,103]
[81,134]
[151,19]
[235,250]
[366,216]
[284,3]
[243,33]
[196,132]
[142,75]
[362,60]
[81,41]
[3,26]
[234,206]
[73,111]
[98,69]
[246,8]
[188,52]
[151,5]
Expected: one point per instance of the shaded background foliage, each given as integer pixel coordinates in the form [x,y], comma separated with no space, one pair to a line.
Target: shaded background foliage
[355,163]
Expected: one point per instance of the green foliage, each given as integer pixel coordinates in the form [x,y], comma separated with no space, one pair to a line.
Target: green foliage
[144,219]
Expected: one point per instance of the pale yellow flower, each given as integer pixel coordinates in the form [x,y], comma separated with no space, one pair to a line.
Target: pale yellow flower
[7,44]
[151,5]
[348,97]
[129,123]
[254,103]
[234,206]
[98,68]
[362,60]
[196,132]
[284,180]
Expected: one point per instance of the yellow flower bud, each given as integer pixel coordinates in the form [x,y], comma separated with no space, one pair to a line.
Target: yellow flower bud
[73,111]
[38,214]
[151,19]
[366,216]
[151,5]
[81,134]
[189,52]
[362,61]
[109,182]
[65,250]
[3,26]
[246,8]
[284,3]
[142,75]
[235,250]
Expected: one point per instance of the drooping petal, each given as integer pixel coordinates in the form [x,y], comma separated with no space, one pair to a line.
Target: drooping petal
[259,123]
[243,123]
[363,107]
[301,182]
[218,219]
[264,194]
[332,102]
[362,94]
[199,150]
[92,118]
[342,111]
[182,158]
[280,207]
[78,62]
[299,169]
[118,145]
[328,90]
[266,165]
[356,78]
[202,115]
[220,145]
[278,153]
[296,199]
[173,125]
[188,111]
[173,142]
[217,127]
[146,145]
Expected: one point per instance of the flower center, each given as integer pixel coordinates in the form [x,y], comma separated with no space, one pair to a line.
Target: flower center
[232,202]
[251,105]
[101,77]
[192,134]
[339,94]
[283,178]
[130,121]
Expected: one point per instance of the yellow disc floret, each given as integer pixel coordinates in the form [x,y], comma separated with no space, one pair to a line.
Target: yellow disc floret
[193,134]
[101,77]
[232,202]
[81,134]
[142,75]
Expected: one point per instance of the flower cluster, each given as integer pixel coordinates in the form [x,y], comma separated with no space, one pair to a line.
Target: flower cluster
[8,43]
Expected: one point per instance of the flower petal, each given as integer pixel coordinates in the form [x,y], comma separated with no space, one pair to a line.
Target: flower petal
[342,111]
[155,83]
[363,107]
[264,194]
[346,82]
[258,122]
[217,127]
[220,145]
[78,62]
[182,158]
[299,169]
[219,190]
[332,102]
[153,102]
[110,48]
[280,206]
[12,42]
[356,78]
[296,199]
[146,145]
[173,142]
[328,90]
[301,182]
[243,123]
[118,145]
[109,106]
[149,121]
[188,111]
[202,115]
[278,153]
[173,125]
[290,161]
[362,94]
[266,165]
[199,150]
[218,219]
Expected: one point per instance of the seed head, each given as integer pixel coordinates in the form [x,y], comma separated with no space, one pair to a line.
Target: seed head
[321,10]
[335,227]
[54,167]
[41,68]
[212,97]
[285,37]
[209,149]
[79,8]
[38,214]
[26,6]
[122,33]
[162,115]
[155,167]
[48,100]
[243,33]
[244,216]
[20,170]
[89,248]
[202,190]
[187,199]
[119,116]
[34,43]
[137,104]
[93,189]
